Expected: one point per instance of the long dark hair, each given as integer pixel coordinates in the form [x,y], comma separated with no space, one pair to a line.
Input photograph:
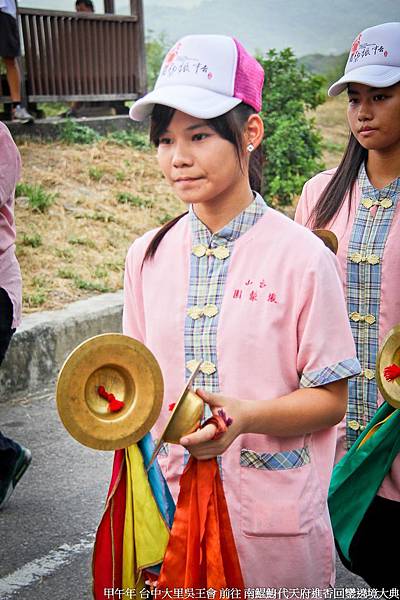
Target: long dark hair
[230,127]
[332,198]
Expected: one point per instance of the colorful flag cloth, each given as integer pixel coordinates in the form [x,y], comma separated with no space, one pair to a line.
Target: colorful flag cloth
[134,530]
[358,476]
[201,552]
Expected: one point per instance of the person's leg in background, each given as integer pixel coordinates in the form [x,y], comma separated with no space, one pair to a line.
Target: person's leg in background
[9,51]
[14,459]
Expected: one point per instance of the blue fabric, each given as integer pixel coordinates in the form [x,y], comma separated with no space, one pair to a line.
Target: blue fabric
[158,485]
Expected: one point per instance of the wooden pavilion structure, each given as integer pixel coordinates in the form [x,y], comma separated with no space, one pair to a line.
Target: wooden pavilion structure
[79,56]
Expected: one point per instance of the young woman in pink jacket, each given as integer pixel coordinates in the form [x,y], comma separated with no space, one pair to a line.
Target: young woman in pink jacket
[221,284]
[360,202]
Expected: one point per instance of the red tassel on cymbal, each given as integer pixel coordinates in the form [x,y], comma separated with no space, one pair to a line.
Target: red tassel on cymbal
[114,405]
[391,372]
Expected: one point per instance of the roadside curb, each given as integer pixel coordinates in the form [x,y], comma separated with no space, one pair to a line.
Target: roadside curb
[44,340]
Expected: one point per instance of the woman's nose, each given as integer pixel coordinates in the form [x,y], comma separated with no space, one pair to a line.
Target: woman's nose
[181,155]
[364,110]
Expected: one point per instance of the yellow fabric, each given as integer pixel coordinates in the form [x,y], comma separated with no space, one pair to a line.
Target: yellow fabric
[145,532]
[373,430]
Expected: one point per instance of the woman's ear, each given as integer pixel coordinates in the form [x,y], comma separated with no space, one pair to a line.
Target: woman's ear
[254,131]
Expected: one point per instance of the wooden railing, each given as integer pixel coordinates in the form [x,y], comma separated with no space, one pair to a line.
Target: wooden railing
[82,56]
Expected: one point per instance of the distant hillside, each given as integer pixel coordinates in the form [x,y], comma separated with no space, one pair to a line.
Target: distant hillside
[307,26]
[331,66]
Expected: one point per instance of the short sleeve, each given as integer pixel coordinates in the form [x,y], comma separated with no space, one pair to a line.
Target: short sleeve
[10,165]
[326,349]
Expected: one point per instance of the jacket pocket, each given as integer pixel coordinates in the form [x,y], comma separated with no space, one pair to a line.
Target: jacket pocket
[279,493]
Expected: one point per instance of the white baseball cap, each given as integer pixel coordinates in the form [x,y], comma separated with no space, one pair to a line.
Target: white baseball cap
[204,76]
[374,59]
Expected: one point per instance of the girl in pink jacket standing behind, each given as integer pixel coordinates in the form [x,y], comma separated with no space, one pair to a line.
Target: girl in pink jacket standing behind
[360,202]
[219,284]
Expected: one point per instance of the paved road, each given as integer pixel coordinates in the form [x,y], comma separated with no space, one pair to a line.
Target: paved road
[49,524]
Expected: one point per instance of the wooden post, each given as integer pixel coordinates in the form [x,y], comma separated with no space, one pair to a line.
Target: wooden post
[137,9]
[109,7]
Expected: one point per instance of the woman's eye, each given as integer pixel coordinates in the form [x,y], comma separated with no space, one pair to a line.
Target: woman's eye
[164,140]
[199,136]
[379,97]
[352,100]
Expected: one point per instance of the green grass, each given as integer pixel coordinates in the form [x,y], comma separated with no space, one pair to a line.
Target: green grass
[128,198]
[74,133]
[101,216]
[131,137]
[36,299]
[120,176]
[53,109]
[77,241]
[115,266]
[65,253]
[92,286]
[164,218]
[101,272]
[38,198]
[95,173]
[39,296]
[84,284]
[34,240]
[65,274]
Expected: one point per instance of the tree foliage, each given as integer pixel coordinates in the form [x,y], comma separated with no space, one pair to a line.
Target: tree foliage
[292,144]
[156,49]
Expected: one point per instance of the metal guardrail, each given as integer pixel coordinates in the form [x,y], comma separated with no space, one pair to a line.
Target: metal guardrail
[82,56]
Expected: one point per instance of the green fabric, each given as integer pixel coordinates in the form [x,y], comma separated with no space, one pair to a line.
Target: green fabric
[358,476]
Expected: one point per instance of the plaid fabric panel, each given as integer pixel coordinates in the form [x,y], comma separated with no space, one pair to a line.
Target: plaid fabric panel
[368,236]
[206,286]
[279,461]
[340,370]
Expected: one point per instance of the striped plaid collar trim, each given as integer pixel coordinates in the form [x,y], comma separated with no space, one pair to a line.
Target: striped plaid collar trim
[233,230]
[368,190]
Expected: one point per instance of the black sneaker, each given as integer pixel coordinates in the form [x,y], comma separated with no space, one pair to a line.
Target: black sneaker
[7,486]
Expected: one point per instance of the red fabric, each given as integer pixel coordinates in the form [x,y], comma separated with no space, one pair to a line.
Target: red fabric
[391,372]
[107,553]
[201,552]
[114,405]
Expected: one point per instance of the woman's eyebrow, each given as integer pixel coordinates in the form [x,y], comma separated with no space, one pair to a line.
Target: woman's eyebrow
[370,90]
[197,126]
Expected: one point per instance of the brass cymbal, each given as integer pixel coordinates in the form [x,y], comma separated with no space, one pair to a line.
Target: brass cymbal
[328,237]
[126,369]
[185,417]
[389,354]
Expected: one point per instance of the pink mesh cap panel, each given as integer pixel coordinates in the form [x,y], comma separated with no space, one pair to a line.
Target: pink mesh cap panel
[249,78]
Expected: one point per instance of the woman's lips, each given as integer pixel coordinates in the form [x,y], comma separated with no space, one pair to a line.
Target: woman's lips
[183,181]
[367,132]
